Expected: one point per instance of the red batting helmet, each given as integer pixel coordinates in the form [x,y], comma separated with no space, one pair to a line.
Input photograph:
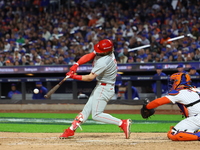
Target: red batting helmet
[103,46]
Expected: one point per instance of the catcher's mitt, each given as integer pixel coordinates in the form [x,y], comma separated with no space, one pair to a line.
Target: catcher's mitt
[146,113]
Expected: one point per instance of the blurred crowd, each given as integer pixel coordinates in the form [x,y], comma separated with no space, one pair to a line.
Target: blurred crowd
[54,32]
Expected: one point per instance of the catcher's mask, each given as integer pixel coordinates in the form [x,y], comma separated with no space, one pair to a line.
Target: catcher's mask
[103,46]
[177,79]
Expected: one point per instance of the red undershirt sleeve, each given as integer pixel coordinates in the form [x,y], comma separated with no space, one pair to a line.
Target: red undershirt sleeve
[85,58]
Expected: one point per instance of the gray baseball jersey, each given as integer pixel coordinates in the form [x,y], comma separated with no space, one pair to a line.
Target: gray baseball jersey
[106,69]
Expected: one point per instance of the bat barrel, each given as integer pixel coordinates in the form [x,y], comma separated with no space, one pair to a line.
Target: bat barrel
[55,88]
[46,96]
[52,91]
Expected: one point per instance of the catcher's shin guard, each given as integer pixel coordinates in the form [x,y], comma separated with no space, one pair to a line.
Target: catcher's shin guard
[182,136]
[77,122]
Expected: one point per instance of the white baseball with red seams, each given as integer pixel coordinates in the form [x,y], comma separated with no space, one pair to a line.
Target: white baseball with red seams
[36,91]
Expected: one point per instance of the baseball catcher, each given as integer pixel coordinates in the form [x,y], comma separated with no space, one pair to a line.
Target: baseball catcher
[187,98]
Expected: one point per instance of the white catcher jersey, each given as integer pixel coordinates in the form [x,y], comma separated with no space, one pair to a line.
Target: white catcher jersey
[106,68]
[186,97]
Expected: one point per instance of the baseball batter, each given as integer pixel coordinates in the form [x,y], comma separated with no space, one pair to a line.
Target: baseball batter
[105,72]
[188,99]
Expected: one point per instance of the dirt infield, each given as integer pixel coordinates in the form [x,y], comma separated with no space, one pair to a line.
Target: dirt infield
[92,141]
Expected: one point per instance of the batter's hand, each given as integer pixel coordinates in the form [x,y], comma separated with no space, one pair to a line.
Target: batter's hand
[74,76]
[73,68]
[70,74]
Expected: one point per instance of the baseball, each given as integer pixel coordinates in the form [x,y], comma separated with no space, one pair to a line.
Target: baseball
[36,91]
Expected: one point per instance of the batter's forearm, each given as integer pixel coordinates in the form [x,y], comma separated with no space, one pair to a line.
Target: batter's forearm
[87,78]
[83,77]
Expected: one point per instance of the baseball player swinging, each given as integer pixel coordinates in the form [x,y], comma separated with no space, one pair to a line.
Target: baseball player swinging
[105,72]
[188,100]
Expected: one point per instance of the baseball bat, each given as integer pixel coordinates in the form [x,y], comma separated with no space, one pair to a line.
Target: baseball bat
[55,87]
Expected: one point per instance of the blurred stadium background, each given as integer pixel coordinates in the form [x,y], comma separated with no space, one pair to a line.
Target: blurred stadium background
[41,39]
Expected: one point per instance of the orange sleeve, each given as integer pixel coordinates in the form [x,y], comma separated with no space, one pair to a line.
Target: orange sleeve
[169,42]
[157,102]
[161,41]
[92,22]
[85,58]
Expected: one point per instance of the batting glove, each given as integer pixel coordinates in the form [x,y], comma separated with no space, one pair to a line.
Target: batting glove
[69,73]
[73,68]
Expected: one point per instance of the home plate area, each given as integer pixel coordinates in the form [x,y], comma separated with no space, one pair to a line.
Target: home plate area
[92,141]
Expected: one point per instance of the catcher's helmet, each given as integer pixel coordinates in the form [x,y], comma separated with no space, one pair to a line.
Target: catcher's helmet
[103,46]
[179,78]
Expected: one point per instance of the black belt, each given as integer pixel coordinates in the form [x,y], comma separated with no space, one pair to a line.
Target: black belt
[191,104]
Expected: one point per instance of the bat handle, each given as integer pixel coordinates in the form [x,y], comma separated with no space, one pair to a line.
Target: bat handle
[61,82]
[66,77]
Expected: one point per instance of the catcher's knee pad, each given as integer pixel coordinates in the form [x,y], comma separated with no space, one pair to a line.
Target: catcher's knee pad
[182,136]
